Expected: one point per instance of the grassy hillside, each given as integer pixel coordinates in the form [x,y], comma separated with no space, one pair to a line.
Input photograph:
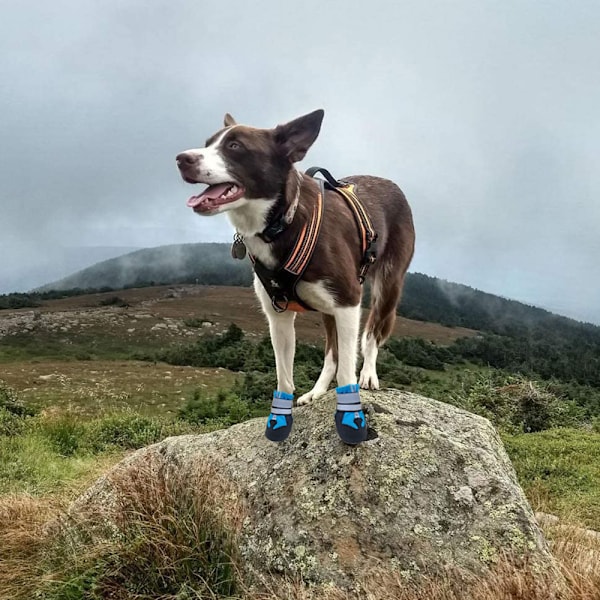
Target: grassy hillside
[205,264]
[86,378]
[517,337]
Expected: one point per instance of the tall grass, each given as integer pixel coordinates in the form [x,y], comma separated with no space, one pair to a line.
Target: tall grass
[177,539]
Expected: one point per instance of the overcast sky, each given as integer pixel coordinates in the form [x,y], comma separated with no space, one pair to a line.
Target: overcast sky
[486,113]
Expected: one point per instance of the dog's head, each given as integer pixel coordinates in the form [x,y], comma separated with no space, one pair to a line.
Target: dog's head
[241,164]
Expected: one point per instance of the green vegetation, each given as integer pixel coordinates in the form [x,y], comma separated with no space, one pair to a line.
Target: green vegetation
[175,539]
[536,376]
[560,471]
[42,454]
[34,299]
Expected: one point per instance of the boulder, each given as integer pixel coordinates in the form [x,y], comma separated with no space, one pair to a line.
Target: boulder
[431,490]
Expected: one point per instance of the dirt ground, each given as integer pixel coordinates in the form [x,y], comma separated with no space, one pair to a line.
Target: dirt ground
[225,305]
[81,334]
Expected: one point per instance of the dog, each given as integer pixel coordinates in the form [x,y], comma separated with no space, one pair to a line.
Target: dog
[251,176]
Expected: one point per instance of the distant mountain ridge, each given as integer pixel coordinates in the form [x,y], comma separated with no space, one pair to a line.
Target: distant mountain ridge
[425,298]
[204,263]
[54,263]
[514,336]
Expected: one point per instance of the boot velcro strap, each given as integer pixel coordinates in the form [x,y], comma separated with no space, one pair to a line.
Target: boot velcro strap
[277,403]
[348,398]
[349,407]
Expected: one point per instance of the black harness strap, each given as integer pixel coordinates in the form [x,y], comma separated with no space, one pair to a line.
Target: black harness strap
[365,226]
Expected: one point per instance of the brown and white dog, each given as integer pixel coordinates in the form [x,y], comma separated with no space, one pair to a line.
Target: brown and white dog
[251,176]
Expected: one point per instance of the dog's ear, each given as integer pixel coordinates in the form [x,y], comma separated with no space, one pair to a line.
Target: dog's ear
[228,120]
[297,136]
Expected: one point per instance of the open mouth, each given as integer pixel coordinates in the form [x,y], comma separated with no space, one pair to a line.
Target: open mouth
[216,195]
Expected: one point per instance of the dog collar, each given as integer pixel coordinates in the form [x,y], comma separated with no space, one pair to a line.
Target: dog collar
[279,225]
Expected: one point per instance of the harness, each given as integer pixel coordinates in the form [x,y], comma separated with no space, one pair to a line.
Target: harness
[280,283]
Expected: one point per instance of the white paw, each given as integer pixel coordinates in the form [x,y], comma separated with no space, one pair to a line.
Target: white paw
[368,380]
[307,398]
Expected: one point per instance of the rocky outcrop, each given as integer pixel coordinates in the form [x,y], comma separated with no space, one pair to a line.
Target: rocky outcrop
[432,489]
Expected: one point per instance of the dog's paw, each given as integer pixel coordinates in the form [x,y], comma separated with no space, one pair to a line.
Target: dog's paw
[307,398]
[368,380]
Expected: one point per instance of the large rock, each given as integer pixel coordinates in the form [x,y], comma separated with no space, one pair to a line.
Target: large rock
[431,489]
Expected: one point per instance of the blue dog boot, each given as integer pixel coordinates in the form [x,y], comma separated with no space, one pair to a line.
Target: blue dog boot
[350,420]
[279,423]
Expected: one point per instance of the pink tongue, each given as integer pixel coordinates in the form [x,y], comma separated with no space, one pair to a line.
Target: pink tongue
[210,193]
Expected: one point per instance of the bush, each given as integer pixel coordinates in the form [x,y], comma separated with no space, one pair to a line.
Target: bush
[417,352]
[228,350]
[256,387]
[123,430]
[10,424]
[65,433]
[114,301]
[10,402]
[176,540]
[224,409]
[515,404]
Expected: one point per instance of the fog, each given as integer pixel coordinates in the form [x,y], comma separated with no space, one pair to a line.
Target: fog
[485,113]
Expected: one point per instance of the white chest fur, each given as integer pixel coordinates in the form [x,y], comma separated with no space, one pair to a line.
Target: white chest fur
[250,219]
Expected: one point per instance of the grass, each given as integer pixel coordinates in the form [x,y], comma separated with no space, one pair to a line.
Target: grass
[94,403]
[95,387]
[178,539]
[559,470]
[54,453]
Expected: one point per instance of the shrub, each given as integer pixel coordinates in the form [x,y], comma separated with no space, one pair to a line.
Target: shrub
[114,301]
[228,350]
[177,539]
[226,408]
[195,322]
[256,387]
[10,424]
[10,402]
[417,352]
[516,404]
[123,430]
[65,433]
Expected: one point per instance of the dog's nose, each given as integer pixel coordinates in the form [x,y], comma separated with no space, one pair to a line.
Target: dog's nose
[186,159]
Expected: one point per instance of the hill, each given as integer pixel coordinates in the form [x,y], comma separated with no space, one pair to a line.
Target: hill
[205,264]
[425,298]
[517,337]
[53,263]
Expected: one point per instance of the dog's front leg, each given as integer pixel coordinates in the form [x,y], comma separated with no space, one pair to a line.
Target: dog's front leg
[350,419]
[283,340]
[347,323]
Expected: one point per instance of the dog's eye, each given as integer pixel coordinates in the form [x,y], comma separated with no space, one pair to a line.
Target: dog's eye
[233,146]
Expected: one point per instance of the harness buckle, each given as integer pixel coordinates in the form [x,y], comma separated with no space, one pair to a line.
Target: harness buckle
[276,307]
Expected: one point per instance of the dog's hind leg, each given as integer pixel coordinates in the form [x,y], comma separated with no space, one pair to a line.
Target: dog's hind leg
[385,295]
[329,364]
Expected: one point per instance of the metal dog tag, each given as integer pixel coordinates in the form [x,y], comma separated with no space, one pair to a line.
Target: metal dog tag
[238,248]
